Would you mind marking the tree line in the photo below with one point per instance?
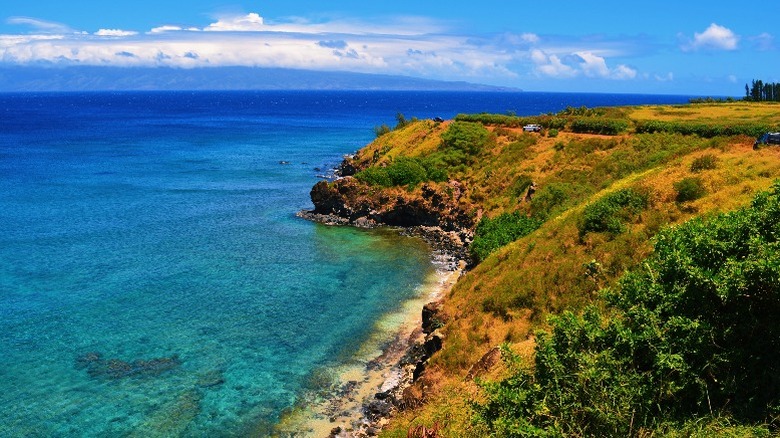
(760, 91)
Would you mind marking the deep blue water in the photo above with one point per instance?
(153, 276)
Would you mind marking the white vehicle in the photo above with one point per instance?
(533, 127)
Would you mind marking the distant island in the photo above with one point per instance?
(91, 78)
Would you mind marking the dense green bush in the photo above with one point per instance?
(692, 334)
(491, 119)
(375, 176)
(467, 137)
(492, 234)
(689, 189)
(511, 121)
(706, 130)
(611, 212)
(550, 122)
(598, 125)
(705, 162)
(583, 111)
(402, 171)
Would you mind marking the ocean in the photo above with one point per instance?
(154, 279)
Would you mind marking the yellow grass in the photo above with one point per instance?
(768, 112)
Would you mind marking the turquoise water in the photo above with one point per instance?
(138, 235)
(154, 280)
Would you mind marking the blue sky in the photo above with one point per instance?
(663, 47)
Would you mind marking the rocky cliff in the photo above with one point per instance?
(434, 211)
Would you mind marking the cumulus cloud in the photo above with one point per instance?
(715, 37)
(551, 65)
(623, 72)
(251, 22)
(582, 63)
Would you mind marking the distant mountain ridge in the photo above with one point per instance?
(92, 78)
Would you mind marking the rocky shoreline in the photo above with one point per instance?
(394, 394)
(449, 247)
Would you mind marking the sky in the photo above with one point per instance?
(692, 47)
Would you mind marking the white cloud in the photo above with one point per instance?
(530, 38)
(251, 22)
(664, 78)
(623, 72)
(397, 45)
(166, 28)
(248, 40)
(115, 33)
(582, 63)
(715, 37)
(593, 66)
(551, 65)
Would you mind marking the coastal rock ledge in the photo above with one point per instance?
(432, 212)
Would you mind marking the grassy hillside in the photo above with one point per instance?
(598, 204)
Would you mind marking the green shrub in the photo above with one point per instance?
(403, 171)
(705, 162)
(597, 125)
(552, 133)
(381, 130)
(706, 130)
(611, 212)
(491, 119)
(375, 176)
(433, 171)
(467, 137)
(512, 121)
(691, 335)
(492, 234)
(579, 111)
(689, 189)
(557, 123)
